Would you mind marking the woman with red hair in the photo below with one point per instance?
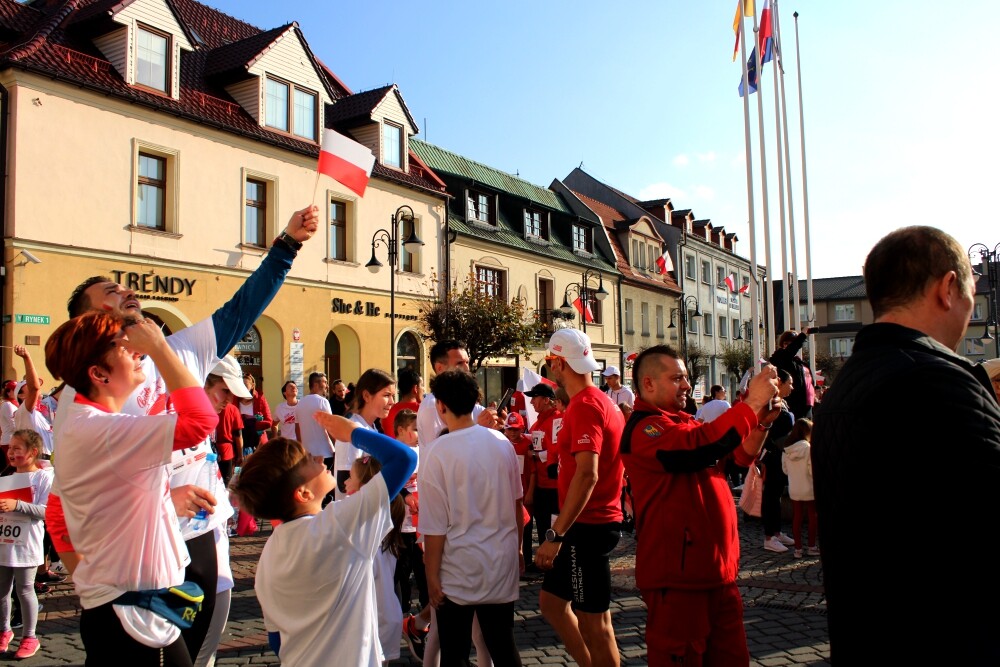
(113, 479)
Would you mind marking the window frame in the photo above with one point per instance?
(644, 317)
(836, 346)
(472, 200)
(709, 324)
(385, 147)
(706, 271)
(720, 275)
(409, 262)
(160, 185)
(584, 234)
(723, 326)
(340, 223)
(482, 286)
(291, 87)
(529, 216)
(690, 270)
(839, 308)
(171, 197)
(629, 310)
(661, 332)
(168, 69)
(258, 205)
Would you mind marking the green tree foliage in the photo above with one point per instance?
(737, 356)
(488, 326)
(695, 362)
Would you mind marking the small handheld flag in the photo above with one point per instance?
(346, 161)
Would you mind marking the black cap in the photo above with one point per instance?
(541, 389)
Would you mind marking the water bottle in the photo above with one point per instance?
(207, 479)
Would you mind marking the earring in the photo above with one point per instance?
(105, 380)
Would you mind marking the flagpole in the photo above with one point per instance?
(315, 187)
(794, 321)
(779, 76)
(763, 183)
(748, 147)
(805, 200)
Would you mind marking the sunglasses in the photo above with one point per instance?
(550, 357)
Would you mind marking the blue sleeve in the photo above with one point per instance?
(398, 460)
(274, 641)
(237, 315)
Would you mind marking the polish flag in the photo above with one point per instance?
(579, 306)
(16, 487)
(745, 289)
(664, 263)
(346, 161)
(731, 282)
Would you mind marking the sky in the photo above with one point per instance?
(897, 99)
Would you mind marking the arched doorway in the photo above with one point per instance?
(248, 354)
(408, 352)
(331, 355)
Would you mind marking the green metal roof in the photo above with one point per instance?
(446, 162)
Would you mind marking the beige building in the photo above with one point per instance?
(165, 144)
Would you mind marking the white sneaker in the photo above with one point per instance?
(775, 545)
(785, 539)
(59, 568)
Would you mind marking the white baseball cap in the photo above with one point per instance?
(229, 370)
(610, 370)
(574, 346)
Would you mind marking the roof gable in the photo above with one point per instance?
(157, 14)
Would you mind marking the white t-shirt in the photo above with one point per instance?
(411, 486)
(34, 421)
(429, 424)
(187, 467)
(390, 614)
(469, 483)
(345, 456)
(328, 617)
(7, 409)
(21, 534)
(621, 395)
(314, 437)
(712, 410)
(284, 418)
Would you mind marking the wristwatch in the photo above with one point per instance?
(286, 238)
(553, 536)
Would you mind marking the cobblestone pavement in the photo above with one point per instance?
(785, 612)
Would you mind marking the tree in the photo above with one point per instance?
(737, 357)
(695, 355)
(828, 365)
(489, 327)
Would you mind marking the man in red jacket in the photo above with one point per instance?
(688, 547)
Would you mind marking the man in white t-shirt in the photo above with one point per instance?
(448, 355)
(471, 519)
(313, 436)
(616, 391)
(714, 407)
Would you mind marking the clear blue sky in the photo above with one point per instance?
(899, 126)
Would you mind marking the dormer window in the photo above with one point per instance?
(392, 145)
(583, 239)
(152, 59)
(290, 108)
(535, 224)
(479, 208)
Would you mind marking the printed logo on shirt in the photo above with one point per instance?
(652, 431)
(584, 440)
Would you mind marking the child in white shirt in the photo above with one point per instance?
(797, 464)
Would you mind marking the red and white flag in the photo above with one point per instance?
(664, 263)
(579, 306)
(731, 282)
(16, 487)
(745, 289)
(346, 161)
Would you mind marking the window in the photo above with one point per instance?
(636, 257)
(804, 312)
(692, 322)
(535, 225)
(706, 271)
(659, 322)
(653, 255)
(841, 347)
(582, 239)
(255, 212)
(644, 310)
(745, 283)
(595, 306)
(629, 317)
(977, 313)
(478, 208)
(709, 325)
(843, 312)
(152, 59)
(723, 326)
(689, 267)
(290, 109)
(490, 282)
(338, 230)
(974, 346)
(720, 275)
(152, 209)
(408, 260)
(737, 331)
(392, 145)
(408, 352)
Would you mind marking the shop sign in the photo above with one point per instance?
(344, 307)
(155, 286)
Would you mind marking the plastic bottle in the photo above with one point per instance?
(207, 479)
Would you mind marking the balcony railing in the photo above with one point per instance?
(550, 320)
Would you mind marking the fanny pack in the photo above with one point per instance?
(178, 604)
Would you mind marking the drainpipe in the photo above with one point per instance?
(4, 120)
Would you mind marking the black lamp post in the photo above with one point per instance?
(989, 260)
(390, 239)
(682, 317)
(744, 328)
(584, 293)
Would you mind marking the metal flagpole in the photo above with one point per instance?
(763, 185)
(794, 321)
(754, 280)
(805, 201)
(779, 75)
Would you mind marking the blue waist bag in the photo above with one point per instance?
(178, 604)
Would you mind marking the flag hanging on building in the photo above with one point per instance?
(751, 74)
(731, 282)
(579, 306)
(745, 289)
(346, 161)
(748, 11)
(665, 263)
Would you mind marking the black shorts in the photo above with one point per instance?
(581, 572)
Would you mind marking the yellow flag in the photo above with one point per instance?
(748, 11)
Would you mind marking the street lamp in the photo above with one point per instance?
(584, 293)
(989, 259)
(747, 328)
(682, 317)
(390, 239)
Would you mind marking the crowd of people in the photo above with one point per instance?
(378, 488)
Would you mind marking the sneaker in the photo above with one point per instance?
(785, 539)
(59, 568)
(29, 647)
(812, 551)
(41, 588)
(50, 577)
(414, 638)
(797, 553)
(775, 545)
(5, 640)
